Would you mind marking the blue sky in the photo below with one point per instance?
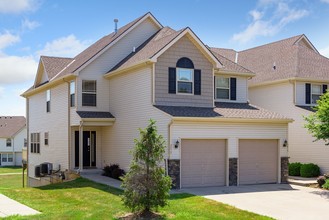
(30, 28)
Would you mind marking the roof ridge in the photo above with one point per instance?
(41, 56)
(289, 38)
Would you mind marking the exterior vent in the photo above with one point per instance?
(134, 49)
(116, 25)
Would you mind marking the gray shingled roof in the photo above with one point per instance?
(222, 110)
(308, 108)
(90, 114)
(53, 65)
(10, 125)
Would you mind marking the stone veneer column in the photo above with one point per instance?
(174, 173)
(233, 171)
(284, 169)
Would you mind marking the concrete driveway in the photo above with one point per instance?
(279, 201)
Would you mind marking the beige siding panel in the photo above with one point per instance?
(131, 105)
(105, 62)
(74, 117)
(183, 48)
(230, 131)
(55, 122)
(301, 147)
(203, 163)
(258, 161)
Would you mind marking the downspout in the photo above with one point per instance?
(14, 156)
(169, 144)
(153, 84)
(27, 138)
(68, 125)
(81, 146)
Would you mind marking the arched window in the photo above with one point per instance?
(184, 79)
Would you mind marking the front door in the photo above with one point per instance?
(89, 148)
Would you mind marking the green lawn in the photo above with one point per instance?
(10, 170)
(84, 199)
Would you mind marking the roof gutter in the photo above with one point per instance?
(126, 69)
(300, 79)
(225, 72)
(48, 85)
(234, 120)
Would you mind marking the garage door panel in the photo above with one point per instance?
(258, 161)
(203, 162)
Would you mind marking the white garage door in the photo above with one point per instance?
(258, 161)
(203, 163)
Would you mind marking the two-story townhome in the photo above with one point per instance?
(85, 112)
(12, 140)
(290, 76)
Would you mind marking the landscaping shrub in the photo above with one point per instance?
(113, 171)
(321, 180)
(309, 170)
(326, 185)
(294, 169)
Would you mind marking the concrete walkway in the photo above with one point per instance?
(11, 207)
(280, 201)
(97, 177)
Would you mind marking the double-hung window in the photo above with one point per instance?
(10, 157)
(88, 92)
(72, 93)
(35, 143)
(48, 101)
(47, 138)
(8, 142)
(316, 92)
(185, 80)
(222, 88)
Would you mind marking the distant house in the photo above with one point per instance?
(85, 112)
(290, 76)
(12, 140)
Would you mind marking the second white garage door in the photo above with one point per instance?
(203, 163)
(258, 161)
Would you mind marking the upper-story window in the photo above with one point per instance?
(25, 142)
(184, 79)
(8, 142)
(72, 93)
(46, 138)
(225, 88)
(222, 88)
(313, 92)
(88, 92)
(48, 100)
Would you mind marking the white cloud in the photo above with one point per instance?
(18, 6)
(15, 69)
(29, 25)
(8, 39)
(270, 24)
(68, 46)
(325, 51)
(325, 1)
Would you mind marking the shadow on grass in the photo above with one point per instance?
(83, 183)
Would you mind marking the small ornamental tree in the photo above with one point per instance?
(317, 123)
(146, 186)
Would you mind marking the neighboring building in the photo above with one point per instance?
(290, 76)
(12, 140)
(86, 111)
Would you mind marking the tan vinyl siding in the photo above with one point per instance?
(230, 131)
(106, 61)
(183, 48)
(130, 97)
(55, 123)
(74, 117)
(279, 98)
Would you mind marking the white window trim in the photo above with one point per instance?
(217, 87)
(46, 138)
(177, 81)
(74, 92)
(11, 142)
(35, 141)
(82, 92)
(321, 91)
(48, 99)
